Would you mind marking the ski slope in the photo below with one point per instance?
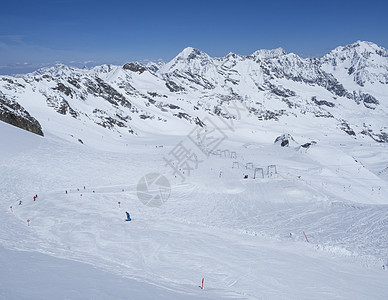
(245, 237)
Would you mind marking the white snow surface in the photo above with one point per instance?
(312, 223)
(245, 237)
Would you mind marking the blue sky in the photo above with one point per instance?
(35, 33)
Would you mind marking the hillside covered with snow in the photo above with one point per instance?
(345, 89)
(265, 174)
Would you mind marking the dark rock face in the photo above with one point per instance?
(282, 92)
(199, 122)
(382, 137)
(64, 89)
(134, 67)
(173, 87)
(346, 128)
(322, 102)
(308, 145)
(368, 100)
(102, 89)
(61, 106)
(284, 140)
(172, 106)
(183, 115)
(13, 113)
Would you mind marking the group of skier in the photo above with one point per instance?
(35, 197)
(127, 213)
(77, 190)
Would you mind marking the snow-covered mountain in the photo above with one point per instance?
(348, 86)
(270, 172)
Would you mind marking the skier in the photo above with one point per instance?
(20, 202)
(128, 216)
(66, 191)
(34, 198)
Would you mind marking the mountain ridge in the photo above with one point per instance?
(348, 86)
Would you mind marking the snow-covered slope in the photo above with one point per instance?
(305, 217)
(244, 236)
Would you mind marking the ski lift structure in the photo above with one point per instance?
(226, 153)
(271, 169)
(259, 172)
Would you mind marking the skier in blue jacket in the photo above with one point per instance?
(128, 217)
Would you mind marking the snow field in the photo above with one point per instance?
(233, 232)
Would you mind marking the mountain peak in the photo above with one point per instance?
(190, 53)
(188, 58)
(269, 53)
(361, 47)
(154, 66)
(364, 44)
(56, 70)
(135, 67)
(232, 55)
(364, 61)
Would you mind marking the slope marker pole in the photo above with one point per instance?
(306, 237)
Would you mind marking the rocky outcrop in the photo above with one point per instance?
(135, 67)
(11, 112)
(284, 140)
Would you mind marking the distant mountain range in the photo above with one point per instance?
(345, 90)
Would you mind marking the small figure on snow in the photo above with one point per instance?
(34, 198)
(20, 202)
(128, 216)
(66, 191)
